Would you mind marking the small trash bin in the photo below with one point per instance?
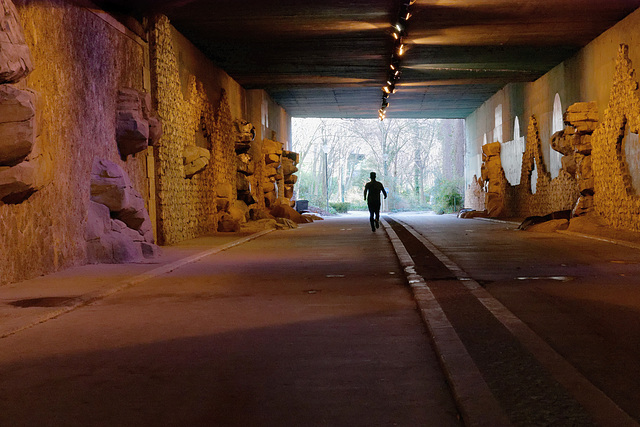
(302, 205)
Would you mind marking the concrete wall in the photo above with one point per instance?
(81, 58)
(587, 76)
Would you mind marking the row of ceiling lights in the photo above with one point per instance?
(398, 34)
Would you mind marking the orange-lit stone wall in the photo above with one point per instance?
(81, 59)
(601, 73)
(551, 195)
(615, 199)
(186, 208)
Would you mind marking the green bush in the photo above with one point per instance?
(342, 207)
(360, 205)
(446, 196)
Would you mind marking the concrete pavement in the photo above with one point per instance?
(569, 308)
(312, 326)
(316, 326)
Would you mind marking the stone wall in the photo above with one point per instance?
(601, 74)
(614, 197)
(200, 106)
(536, 194)
(80, 61)
(550, 195)
(186, 207)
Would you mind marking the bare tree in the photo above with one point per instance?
(406, 154)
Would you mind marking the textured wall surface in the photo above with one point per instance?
(615, 198)
(602, 73)
(550, 195)
(187, 207)
(80, 62)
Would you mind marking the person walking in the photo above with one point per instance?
(372, 189)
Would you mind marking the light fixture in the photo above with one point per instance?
(398, 50)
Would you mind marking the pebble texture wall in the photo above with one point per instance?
(80, 63)
(615, 199)
(550, 195)
(526, 199)
(187, 208)
(603, 175)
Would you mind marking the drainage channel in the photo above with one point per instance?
(525, 389)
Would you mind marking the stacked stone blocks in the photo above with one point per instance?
(574, 142)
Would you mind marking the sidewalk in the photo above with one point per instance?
(30, 302)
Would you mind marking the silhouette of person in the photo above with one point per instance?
(373, 188)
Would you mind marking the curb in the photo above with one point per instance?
(476, 403)
(500, 221)
(574, 233)
(601, 239)
(92, 297)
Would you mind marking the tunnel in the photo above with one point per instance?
(177, 249)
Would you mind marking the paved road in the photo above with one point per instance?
(308, 327)
(581, 296)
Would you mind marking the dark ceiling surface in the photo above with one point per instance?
(330, 58)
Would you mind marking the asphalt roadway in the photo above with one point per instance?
(317, 326)
(306, 327)
(580, 295)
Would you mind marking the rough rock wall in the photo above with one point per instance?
(550, 195)
(474, 196)
(187, 207)
(603, 175)
(495, 179)
(615, 199)
(537, 193)
(257, 180)
(80, 62)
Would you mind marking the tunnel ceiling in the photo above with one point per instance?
(330, 58)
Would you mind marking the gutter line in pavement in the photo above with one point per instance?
(473, 397)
